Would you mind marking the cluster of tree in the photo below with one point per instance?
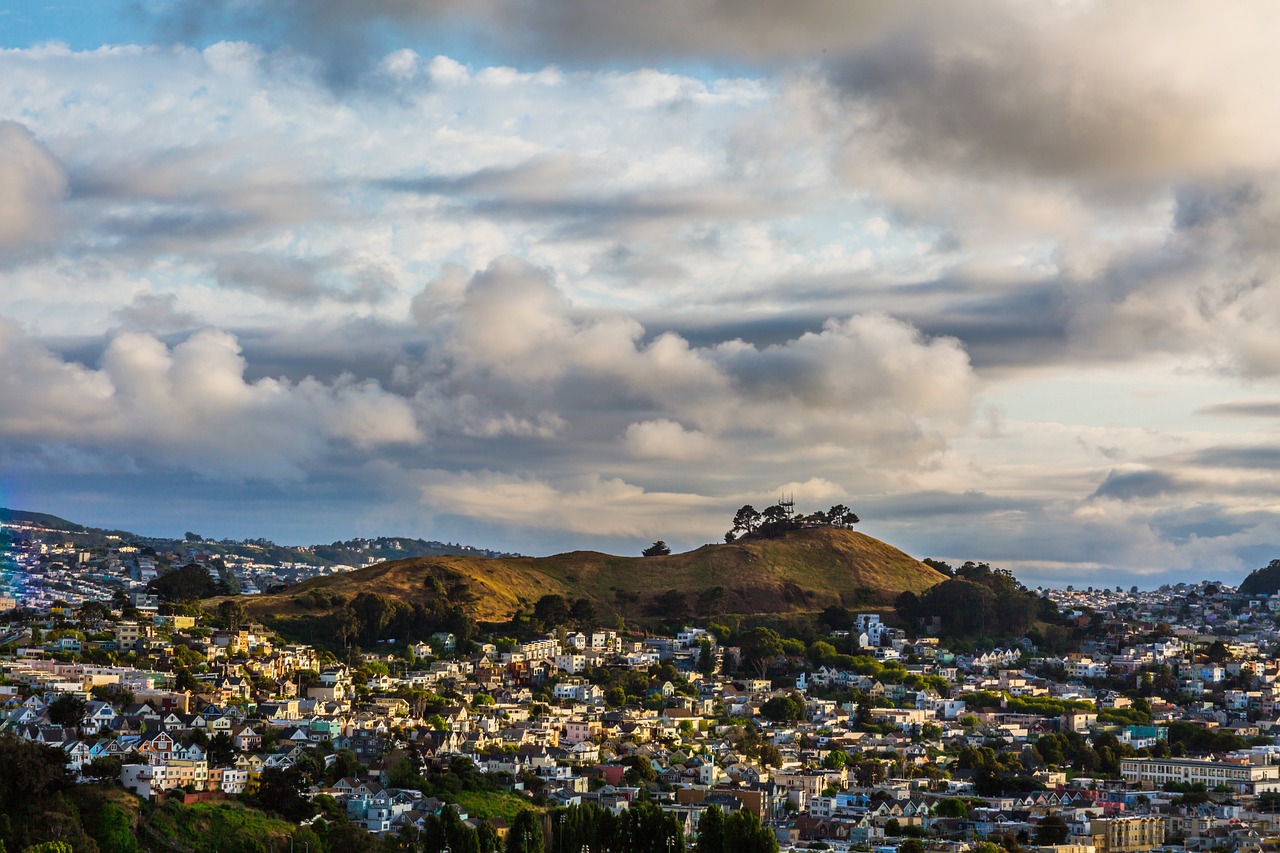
(644, 828)
(657, 549)
(191, 582)
(369, 617)
(1045, 706)
(1263, 581)
(996, 774)
(40, 804)
(555, 610)
(978, 601)
(739, 832)
(1187, 737)
(781, 517)
(784, 709)
(1070, 749)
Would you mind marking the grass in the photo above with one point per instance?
(225, 827)
(487, 804)
(803, 571)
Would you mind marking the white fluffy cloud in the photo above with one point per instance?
(32, 183)
(188, 406)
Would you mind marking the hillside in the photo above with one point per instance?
(1263, 581)
(804, 570)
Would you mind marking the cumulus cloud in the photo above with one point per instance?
(666, 439)
(188, 407)
(32, 183)
(870, 383)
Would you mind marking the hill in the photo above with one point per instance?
(803, 570)
(1263, 581)
(39, 519)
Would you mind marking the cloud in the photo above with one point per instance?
(665, 439)
(869, 382)
(1128, 485)
(1252, 458)
(1244, 409)
(591, 505)
(155, 312)
(188, 407)
(32, 184)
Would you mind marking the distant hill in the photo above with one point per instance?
(52, 522)
(804, 570)
(352, 552)
(1263, 581)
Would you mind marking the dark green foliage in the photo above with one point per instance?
(979, 602)
(657, 549)
(67, 710)
(761, 646)
(34, 788)
(1263, 581)
(1052, 829)
(279, 791)
(783, 709)
(551, 610)
(115, 831)
(711, 830)
(525, 834)
(368, 618)
(104, 769)
(744, 833)
(1198, 739)
(643, 828)
(188, 583)
(945, 568)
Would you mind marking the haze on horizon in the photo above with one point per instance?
(562, 274)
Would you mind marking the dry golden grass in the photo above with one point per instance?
(802, 571)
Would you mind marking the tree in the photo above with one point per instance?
(781, 709)
(835, 759)
(711, 831)
(641, 771)
(743, 833)
(761, 646)
(232, 614)
(222, 752)
(279, 791)
(657, 549)
(746, 520)
(841, 516)
(104, 769)
(525, 834)
(551, 610)
(583, 612)
(1052, 829)
(67, 710)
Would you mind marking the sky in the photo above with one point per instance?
(541, 275)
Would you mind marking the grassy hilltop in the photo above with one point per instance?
(803, 570)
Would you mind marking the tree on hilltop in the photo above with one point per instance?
(657, 549)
